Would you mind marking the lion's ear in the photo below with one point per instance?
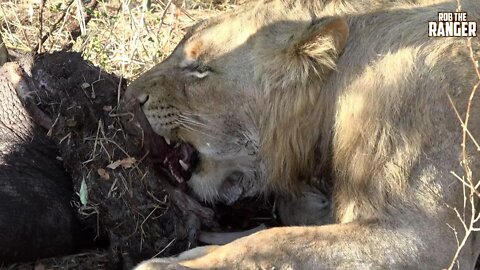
(291, 72)
(290, 52)
(316, 49)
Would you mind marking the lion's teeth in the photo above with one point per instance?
(183, 164)
(167, 140)
(179, 180)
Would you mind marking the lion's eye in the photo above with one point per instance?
(198, 70)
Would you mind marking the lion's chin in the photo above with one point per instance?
(224, 179)
(215, 188)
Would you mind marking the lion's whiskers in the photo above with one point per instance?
(187, 126)
(196, 114)
(191, 121)
(198, 126)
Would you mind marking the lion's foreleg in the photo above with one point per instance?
(343, 246)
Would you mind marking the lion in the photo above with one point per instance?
(283, 96)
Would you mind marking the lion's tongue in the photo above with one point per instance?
(178, 161)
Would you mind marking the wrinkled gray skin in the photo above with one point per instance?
(36, 219)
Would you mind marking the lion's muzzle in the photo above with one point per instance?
(178, 159)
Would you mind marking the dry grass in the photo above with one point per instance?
(124, 37)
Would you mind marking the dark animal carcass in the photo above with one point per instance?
(71, 159)
(36, 217)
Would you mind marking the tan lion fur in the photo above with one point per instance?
(301, 91)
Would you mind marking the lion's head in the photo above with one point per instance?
(242, 88)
